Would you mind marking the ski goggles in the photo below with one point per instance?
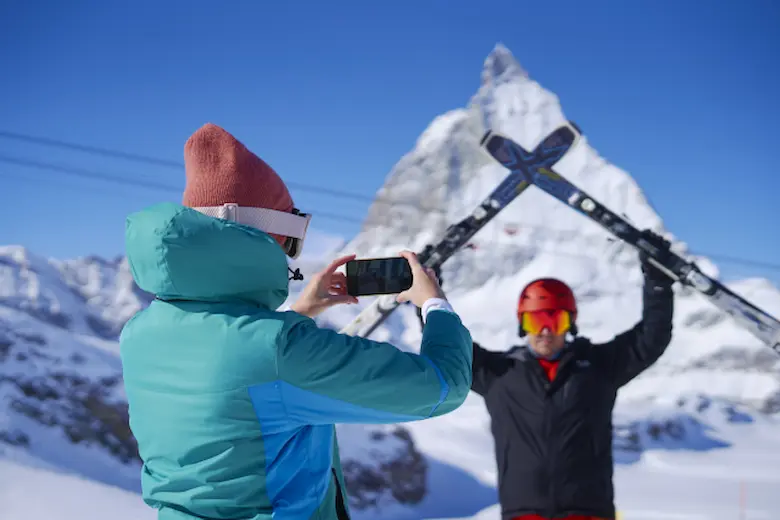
(292, 225)
(557, 321)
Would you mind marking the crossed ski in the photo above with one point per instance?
(536, 167)
(551, 150)
(514, 157)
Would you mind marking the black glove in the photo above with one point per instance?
(652, 274)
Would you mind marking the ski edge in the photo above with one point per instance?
(376, 313)
(381, 308)
(742, 311)
(490, 134)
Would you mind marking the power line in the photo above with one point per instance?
(354, 220)
(155, 161)
(739, 260)
(135, 181)
(89, 149)
(331, 216)
(91, 174)
(126, 180)
(159, 187)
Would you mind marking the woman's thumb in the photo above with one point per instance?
(414, 263)
(403, 297)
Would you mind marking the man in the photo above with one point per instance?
(232, 402)
(551, 401)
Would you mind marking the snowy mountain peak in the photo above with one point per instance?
(446, 175)
(439, 130)
(86, 296)
(501, 66)
(19, 255)
(62, 404)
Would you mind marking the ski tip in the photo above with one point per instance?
(485, 138)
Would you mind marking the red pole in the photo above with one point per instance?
(742, 500)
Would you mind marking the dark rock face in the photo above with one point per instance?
(736, 358)
(689, 427)
(87, 295)
(634, 437)
(86, 410)
(772, 405)
(48, 385)
(398, 473)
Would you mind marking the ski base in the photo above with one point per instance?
(510, 154)
(551, 150)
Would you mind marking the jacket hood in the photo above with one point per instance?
(175, 252)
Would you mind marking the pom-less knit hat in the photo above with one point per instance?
(226, 180)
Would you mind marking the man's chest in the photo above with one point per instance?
(570, 386)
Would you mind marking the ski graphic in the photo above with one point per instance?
(548, 152)
(512, 156)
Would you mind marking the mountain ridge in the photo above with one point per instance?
(63, 406)
(446, 175)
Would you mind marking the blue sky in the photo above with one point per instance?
(683, 95)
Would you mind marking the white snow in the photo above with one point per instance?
(673, 483)
(440, 128)
(716, 385)
(28, 493)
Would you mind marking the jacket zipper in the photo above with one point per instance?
(557, 382)
(551, 507)
(549, 386)
(341, 509)
(549, 453)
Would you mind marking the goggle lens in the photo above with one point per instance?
(558, 321)
(293, 246)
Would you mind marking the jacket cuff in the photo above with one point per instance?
(434, 304)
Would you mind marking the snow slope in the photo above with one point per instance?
(674, 480)
(446, 175)
(702, 419)
(62, 402)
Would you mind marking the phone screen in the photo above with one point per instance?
(378, 276)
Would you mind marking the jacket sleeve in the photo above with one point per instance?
(632, 352)
(326, 377)
(487, 367)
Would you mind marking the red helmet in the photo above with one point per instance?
(547, 294)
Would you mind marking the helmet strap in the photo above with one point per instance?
(520, 331)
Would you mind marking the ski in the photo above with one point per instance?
(512, 156)
(548, 152)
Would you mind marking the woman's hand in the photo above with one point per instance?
(326, 289)
(425, 285)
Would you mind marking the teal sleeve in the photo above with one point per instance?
(328, 377)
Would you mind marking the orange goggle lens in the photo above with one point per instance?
(557, 321)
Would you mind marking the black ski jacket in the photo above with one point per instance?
(553, 439)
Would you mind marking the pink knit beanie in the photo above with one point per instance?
(221, 170)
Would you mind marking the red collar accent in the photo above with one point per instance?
(550, 367)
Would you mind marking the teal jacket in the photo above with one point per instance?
(232, 403)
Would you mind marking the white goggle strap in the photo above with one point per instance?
(267, 220)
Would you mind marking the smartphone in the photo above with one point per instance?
(373, 276)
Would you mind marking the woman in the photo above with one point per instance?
(232, 402)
